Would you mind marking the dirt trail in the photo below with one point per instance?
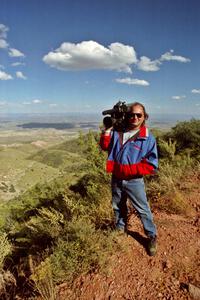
(135, 275)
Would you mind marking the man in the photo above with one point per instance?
(132, 154)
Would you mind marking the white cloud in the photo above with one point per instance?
(179, 97)
(3, 31)
(53, 104)
(195, 91)
(169, 56)
(89, 55)
(20, 75)
(16, 64)
(147, 65)
(5, 76)
(3, 44)
(15, 53)
(132, 81)
(37, 101)
(3, 36)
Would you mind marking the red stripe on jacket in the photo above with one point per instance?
(130, 170)
(126, 171)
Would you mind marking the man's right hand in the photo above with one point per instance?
(107, 122)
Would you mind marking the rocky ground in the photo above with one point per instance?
(174, 273)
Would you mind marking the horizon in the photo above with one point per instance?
(87, 118)
(80, 57)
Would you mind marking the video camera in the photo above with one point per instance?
(118, 116)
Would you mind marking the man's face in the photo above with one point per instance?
(136, 117)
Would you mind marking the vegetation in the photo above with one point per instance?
(68, 224)
(59, 229)
(179, 158)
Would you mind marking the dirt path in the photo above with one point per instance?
(134, 275)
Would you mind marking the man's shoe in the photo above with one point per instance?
(152, 246)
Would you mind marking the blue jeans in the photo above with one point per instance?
(135, 190)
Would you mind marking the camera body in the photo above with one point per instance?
(118, 118)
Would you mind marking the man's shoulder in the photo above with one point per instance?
(146, 133)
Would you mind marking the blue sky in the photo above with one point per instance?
(84, 56)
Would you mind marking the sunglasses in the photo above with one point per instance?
(134, 115)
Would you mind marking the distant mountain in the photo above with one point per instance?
(83, 120)
(59, 126)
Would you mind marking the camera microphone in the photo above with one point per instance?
(108, 112)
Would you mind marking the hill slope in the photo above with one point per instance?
(134, 275)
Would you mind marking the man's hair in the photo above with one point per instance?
(146, 116)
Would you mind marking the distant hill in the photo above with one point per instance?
(59, 126)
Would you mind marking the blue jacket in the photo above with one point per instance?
(135, 158)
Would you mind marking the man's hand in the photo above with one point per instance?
(107, 122)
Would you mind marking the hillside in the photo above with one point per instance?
(57, 236)
(172, 274)
(31, 156)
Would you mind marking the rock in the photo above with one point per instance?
(166, 264)
(194, 291)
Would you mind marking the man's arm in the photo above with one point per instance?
(149, 163)
(105, 139)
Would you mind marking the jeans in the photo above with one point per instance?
(135, 190)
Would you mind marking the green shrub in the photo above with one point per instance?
(81, 249)
(187, 137)
(43, 280)
(164, 189)
(95, 195)
(167, 149)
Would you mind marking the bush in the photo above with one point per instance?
(60, 226)
(82, 248)
(167, 149)
(164, 189)
(43, 280)
(187, 137)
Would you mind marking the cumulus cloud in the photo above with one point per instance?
(20, 75)
(147, 65)
(3, 44)
(12, 52)
(179, 97)
(37, 101)
(132, 81)
(15, 53)
(16, 64)
(3, 35)
(5, 76)
(169, 56)
(89, 55)
(3, 31)
(195, 91)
